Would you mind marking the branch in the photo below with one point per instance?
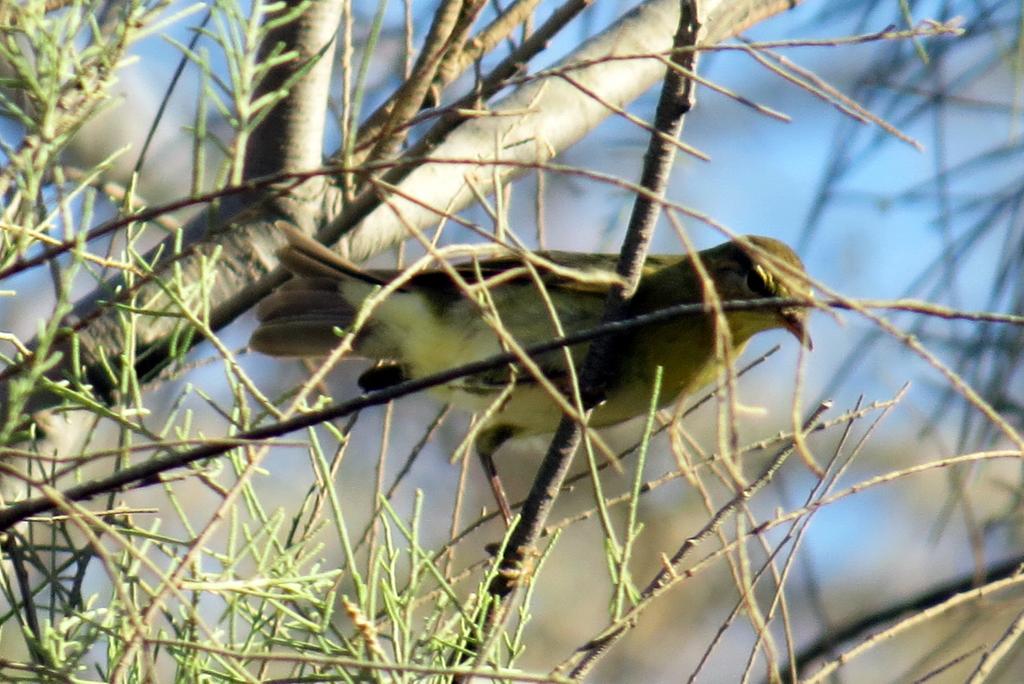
(544, 116)
(677, 98)
(290, 138)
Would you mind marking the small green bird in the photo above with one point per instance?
(429, 324)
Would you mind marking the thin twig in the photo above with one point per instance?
(666, 577)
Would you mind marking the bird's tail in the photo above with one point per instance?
(300, 317)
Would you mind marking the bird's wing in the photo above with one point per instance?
(572, 271)
(307, 258)
(558, 270)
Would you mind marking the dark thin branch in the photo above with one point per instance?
(677, 98)
(672, 313)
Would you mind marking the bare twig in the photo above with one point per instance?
(666, 577)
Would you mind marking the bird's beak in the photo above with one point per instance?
(795, 323)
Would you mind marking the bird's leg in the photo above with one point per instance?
(499, 491)
(487, 444)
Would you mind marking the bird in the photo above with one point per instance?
(431, 322)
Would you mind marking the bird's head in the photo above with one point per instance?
(759, 268)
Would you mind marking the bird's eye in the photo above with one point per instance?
(758, 282)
